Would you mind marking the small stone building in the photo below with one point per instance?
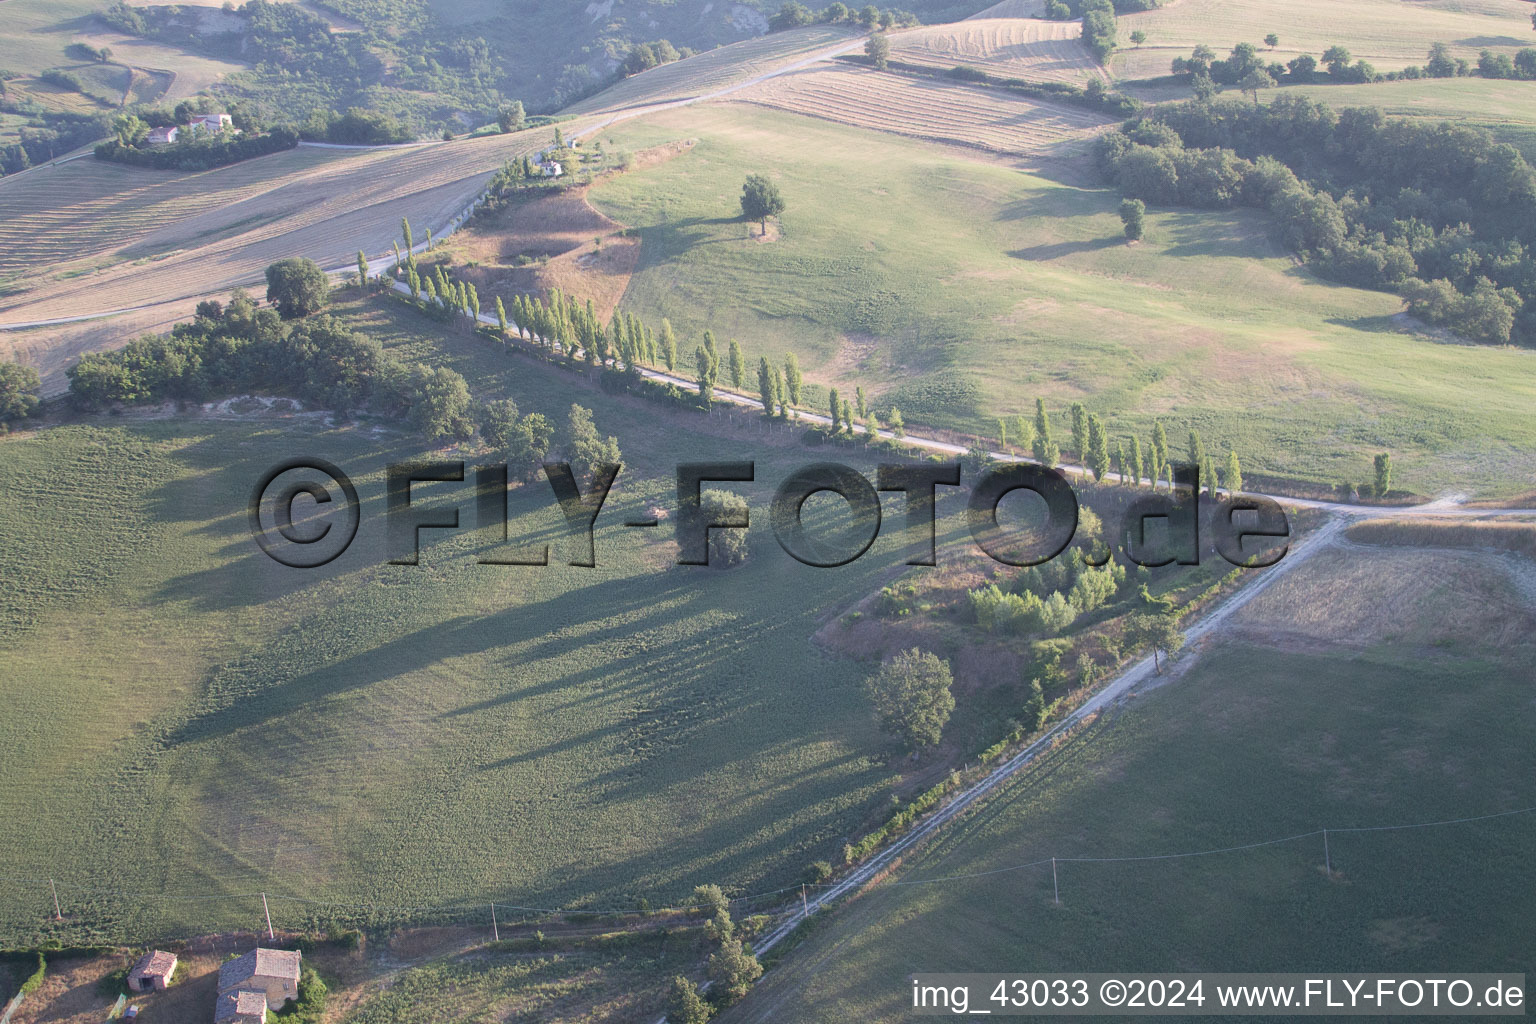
(250, 985)
(153, 972)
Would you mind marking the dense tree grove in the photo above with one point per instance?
(240, 348)
(1440, 213)
(869, 17)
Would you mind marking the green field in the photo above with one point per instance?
(1298, 724)
(959, 290)
(187, 718)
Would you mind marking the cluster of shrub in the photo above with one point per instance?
(1098, 20)
(1047, 599)
(1094, 96)
(1441, 213)
(868, 17)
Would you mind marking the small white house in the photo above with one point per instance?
(162, 136)
(210, 122)
(551, 169)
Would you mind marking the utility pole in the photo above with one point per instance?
(805, 907)
(271, 936)
(1327, 860)
(495, 931)
(1055, 884)
(57, 914)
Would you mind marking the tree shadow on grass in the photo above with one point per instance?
(1056, 250)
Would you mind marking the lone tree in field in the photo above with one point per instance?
(684, 1004)
(584, 446)
(1383, 474)
(297, 287)
(1158, 630)
(878, 49)
(1138, 37)
(760, 199)
(911, 696)
(1133, 213)
(1271, 40)
(18, 392)
(498, 419)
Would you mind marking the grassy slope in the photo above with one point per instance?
(1391, 34)
(214, 723)
(1256, 742)
(987, 287)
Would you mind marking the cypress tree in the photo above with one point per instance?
(1160, 442)
(501, 316)
(897, 424)
(1208, 473)
(1098, 448)
(837, 409)
(792, 378)
(765, 384)
(701, 362)
(474, 303)
(847, 417)
(1196, 449)
(1002, 433)
(871, 428)
(1120, 462)
(1134, 466)
(863, 407)
(1080, 432)
(1045, 451)
(1023, 434)
(405, 233)
(738, 365)
(668, 345)
(1384, 460)
(780, 392)
(362, 268)
(1234, 477)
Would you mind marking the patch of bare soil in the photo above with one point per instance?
(557, 240)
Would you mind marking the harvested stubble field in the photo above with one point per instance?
(713, 69)
(989, 119)
(1390, 34)
(1301, 721)
(116, 237)
(1038, 51)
